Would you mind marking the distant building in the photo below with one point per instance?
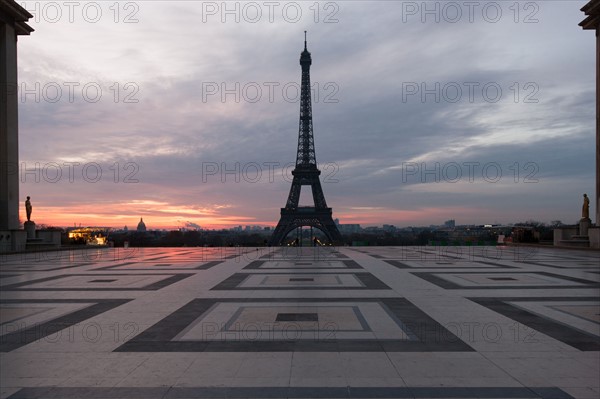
(89, 235)
(450, 223)
(390, 228)
(141, 227)
(349, 228)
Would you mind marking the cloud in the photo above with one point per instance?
(159, 121)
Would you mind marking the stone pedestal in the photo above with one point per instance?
(30, 229)
(584, 225)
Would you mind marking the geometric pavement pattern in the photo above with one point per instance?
(350, 322)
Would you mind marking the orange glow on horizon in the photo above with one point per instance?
(159, 215)
(156, 215)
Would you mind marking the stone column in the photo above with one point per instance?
(12, 24)
(597, 127)
(592, 22)
(9, 147)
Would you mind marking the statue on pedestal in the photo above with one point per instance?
(585, 210)
(585, 222)
(28, 208)
(29, 225)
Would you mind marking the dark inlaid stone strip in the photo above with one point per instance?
(352, 264)
(369, 281)
(208, 265)
(17, 339)
(548, 265)
(255, 264)
(8, 275)
(34, 269)
(232, 282)
(397, 264)
(297, 317)
(562, 332)
(435, 278)
(500, 265)
(289, 392)
(162, 266)
(173, 278)
(425, 334)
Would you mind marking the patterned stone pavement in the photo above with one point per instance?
(365, 322)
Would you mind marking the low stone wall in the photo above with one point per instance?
(564, 233)
(49, 236)
(12, 240)
(16, 240)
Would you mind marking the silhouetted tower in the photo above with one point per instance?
(306, 174)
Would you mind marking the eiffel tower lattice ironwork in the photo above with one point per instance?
(306, 173)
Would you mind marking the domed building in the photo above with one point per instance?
(141, 227)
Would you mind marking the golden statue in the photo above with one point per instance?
(28, 209)
(585, 210)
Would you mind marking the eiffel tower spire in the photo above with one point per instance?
(306, 144)
(305, 173)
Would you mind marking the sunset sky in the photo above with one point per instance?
(197, 120)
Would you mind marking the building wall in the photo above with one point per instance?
(594, 234)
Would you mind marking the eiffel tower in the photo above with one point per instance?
(306, 174)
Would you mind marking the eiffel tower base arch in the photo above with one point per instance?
(306, 217)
